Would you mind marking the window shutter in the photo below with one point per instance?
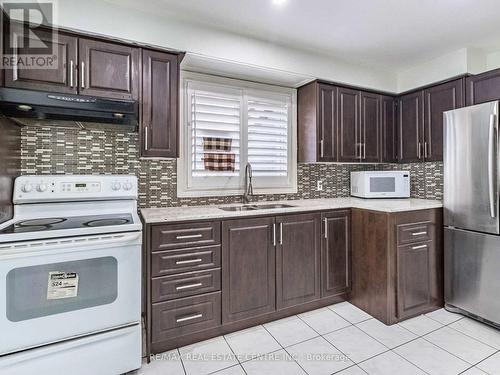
(216, 115)
(268, 136)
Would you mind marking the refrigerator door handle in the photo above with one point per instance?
(491, 167)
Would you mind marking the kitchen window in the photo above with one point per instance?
(227, 123)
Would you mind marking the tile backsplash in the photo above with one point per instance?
(53, 150)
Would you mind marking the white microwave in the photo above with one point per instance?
(380, 184)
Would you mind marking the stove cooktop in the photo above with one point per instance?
(56, 223)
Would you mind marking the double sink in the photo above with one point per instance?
(254, 207)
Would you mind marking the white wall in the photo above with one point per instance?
(107, 19)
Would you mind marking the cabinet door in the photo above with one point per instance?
(348, 124)
(483, 87)
(437, 100)
(160, 83)
(370, 127)
(336, 253)
(248, 268)
(297, 260)
(410, 110)
(389, 130)
(61, 79)
(413, 278)
(327, 123)
(109, 70)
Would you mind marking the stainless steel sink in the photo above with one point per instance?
(243, 207)
(253, 207)
(272, 206)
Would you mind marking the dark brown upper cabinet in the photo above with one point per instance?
(338, 124)
(370, 129)
(389, 129)
(108, 69)
(297, 259)
(483, 87)
(248, 268)
(317, 123)
(335, 253)
(437, 100)
(160, 95)
(62, 78)
(410, 126)
(348, 104)
(420, 120)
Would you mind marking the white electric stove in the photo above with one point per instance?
(70, 276)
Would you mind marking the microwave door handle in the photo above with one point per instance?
(491, 166)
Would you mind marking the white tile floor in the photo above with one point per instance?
(344, 340)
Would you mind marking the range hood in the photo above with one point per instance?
(54, 108)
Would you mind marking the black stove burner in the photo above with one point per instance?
(41, 222)
(106, 222)
(74, 222)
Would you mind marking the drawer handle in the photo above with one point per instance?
(187, 318)
(418, 233)
(198, 260)
(418, 247)
(188, 236)
(182, 287)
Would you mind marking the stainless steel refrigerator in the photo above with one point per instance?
(471, 215)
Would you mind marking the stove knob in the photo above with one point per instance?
(127, 186)
(116, 186)
(41, 188)
(27, 188)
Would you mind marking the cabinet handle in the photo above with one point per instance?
(182, 287)
(197, 260)
(281, 233)
(364, 150)
(419, 151)
(426, 155)
(187, 318)
(146, 138)
(326, 227)
(71, 70)
(188, 236)
(274, 234)
(418, 247)
(418, 233)
(83, 75)
(321, 148)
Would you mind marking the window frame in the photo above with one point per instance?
(186, 187)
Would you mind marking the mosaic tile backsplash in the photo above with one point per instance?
(54, 150)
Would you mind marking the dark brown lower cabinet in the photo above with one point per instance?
(248, 268)
(297, 259)
(204, 279)
(336, 253)
(397, 263)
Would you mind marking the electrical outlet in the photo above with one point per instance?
(319, 185)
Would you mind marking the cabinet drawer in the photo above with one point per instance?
(176, 236)
(176, 261)
(186, 284)
(414, 232)
(186, 315)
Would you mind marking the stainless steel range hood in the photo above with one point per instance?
(40, 108)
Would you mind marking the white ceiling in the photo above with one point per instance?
(390, 34)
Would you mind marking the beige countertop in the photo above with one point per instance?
(190, 213)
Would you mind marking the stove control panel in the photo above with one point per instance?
(30, 189)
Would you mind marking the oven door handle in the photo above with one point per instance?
(72, 244)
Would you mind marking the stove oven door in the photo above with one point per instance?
(53, 290)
